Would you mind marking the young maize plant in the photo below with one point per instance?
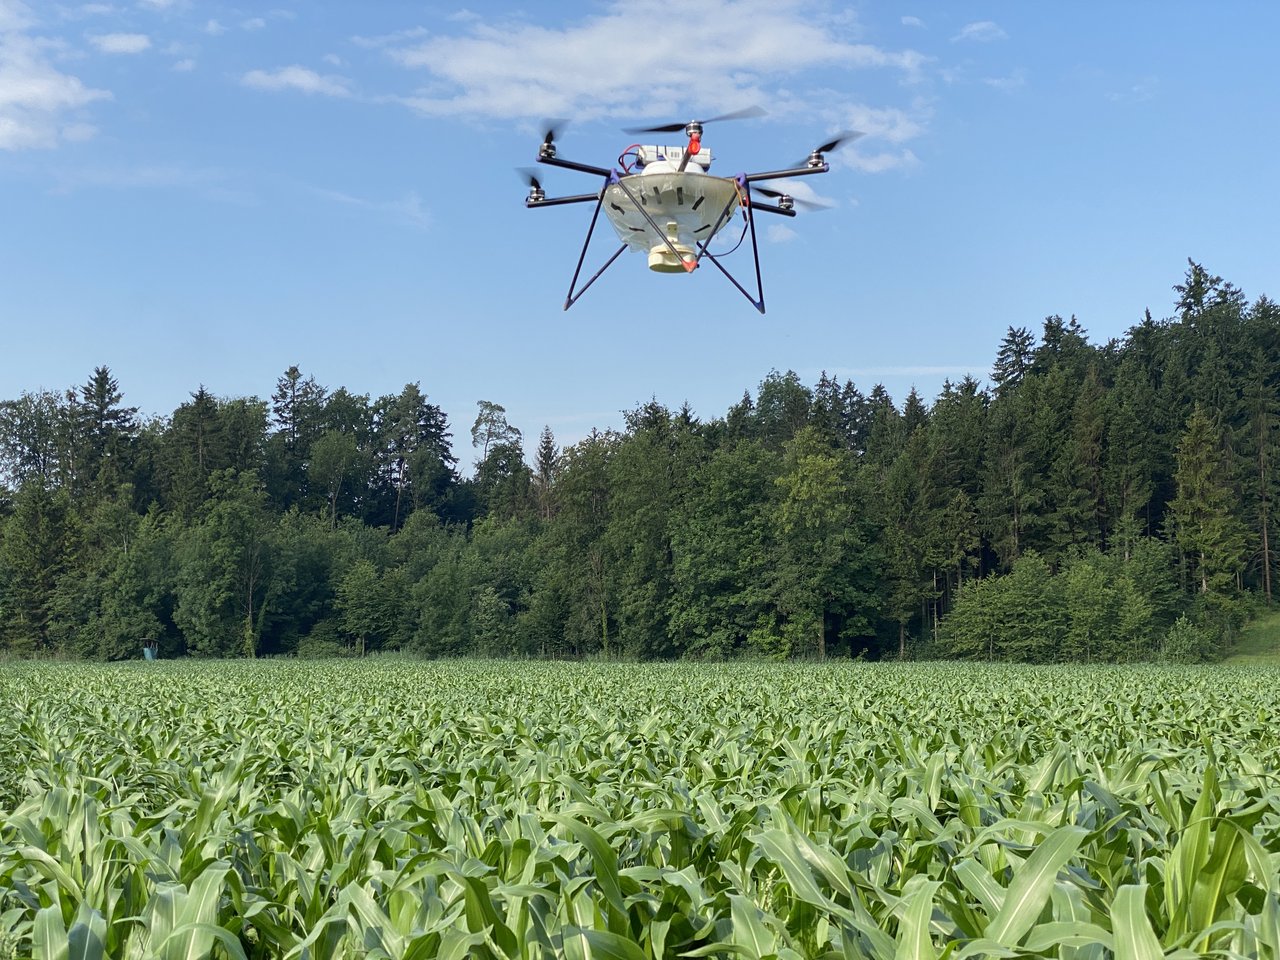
(399, 809)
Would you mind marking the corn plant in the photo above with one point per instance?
(391, 808)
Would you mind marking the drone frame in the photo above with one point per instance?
(815, 163)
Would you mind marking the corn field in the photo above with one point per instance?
(391, 808)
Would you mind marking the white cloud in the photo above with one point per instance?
(883, 123)
(879, 162)
(14, 16)
(186, 65)
(121, 42)
(35, 97)
(780, 233)
(982, 31)
(333, 60)
(517, 69)
(214, 28)
(157, 4)
(297, 78)
(253, 23)
(912, 22)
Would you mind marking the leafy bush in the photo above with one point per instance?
(1187, 643)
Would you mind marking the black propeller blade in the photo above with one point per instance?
(536, 193)
(815, 158)
(552, 129)
(847, 137)
(806, 204)
(742, 114)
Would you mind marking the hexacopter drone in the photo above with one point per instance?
(662, 202)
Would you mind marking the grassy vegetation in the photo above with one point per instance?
(468, 809)
(1259, 642)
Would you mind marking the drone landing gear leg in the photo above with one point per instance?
(758, 302)
(572, 298)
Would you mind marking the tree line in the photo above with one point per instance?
(1094, 502)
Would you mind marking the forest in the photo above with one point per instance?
(1093, 502)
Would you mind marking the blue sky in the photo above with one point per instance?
(201, 193)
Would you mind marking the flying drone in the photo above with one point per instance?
(662, 202)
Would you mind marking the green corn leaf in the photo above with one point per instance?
(1134, 938)
(1073, 934)
(194, 941)
(610, 946)
(603, 860)
(749, 931)
(914, 942)
(87, 938)
(1032, 885)
(49, 935)
(974, 877)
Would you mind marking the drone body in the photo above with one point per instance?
(664, 203)
(687, 204)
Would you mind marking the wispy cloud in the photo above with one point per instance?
(518, 69)
(154, 176)
(214, 28)
(407, 210)
(253, 23)
(185, 65)
(124, 43)
(894, 126)
(884, 123)
(981, 31)
(84, 11)
(390, 39)
(912, 22)
(157, 4)
(297, 78)
(1013, 81)
(14, 16)
(780, 233)
(38, 102)
(1139, 92)
(211, 183)
(79, 132)
(880, 161)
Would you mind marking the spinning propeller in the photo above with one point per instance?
(787, 202)
(550, 129)
(674, 127)
(693, 129)
(815, 157)
(536, 193)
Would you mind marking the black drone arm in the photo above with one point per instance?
(792, 172)
(536, 196)
(770, 208)
(560, 201)
(573, 165)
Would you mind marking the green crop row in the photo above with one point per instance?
(392, 808)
